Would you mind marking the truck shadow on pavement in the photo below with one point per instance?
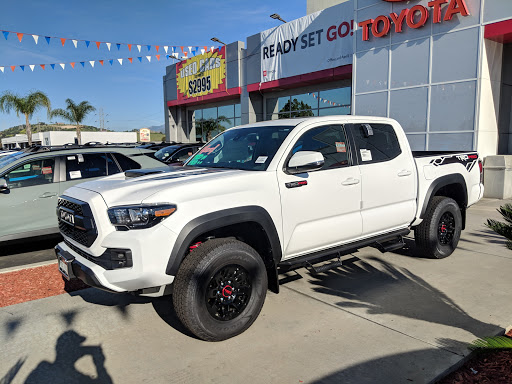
(374, 287)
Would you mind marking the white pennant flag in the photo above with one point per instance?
(62, 65)
(92, 63)
(212, 48)
(2, 69)
(166, 48)
(36, 38)
(202, 51)
(149, 58)
(138, 47)
(108, 45)
(75, 42)
(175, 55)
(190, 49)
(32, 66)
(120, 61)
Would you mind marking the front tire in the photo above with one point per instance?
(439, 233)
(219, 289)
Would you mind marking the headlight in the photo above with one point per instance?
(140, 216)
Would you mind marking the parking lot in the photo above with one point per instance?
(383, 318)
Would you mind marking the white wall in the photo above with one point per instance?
(317, 5)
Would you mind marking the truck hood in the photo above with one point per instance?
(133, 187)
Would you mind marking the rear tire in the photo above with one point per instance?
(439, 233)
(219, 289)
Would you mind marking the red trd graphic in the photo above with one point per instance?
(227, 291)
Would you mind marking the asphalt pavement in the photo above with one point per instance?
(384, 318)
(28, 251)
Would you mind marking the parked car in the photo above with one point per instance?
(155, 146)
(6, 153)
(177, 153)
(31, 181)
(258, 200)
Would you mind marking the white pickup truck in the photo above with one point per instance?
(257, 200)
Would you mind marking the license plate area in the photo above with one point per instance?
(67, 216)
(65, 266)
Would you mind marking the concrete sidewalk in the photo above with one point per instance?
(386, 318)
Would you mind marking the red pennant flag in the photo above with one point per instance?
(20, 36)
(131, 59)
(62, 40)
(157, 47)
(42, 66)
(157, 57)
(129, 47)
(98, 44)
(186, 53)
(182, 51)
(12, 67)
(206, 49)
(101, 61)
(72, 65)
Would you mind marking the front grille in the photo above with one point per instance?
(84, 231)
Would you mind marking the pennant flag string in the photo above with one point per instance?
(98, 43)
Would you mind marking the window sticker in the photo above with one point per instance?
(26, 166)
(198, 159)
(340, 146)
(366, 154)
(209, 150)
(261, 159)
(46, 170)
(36, 167)
(80, 158)
(71, 158)
(75, 174)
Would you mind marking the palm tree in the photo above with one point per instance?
(208, 126)
(503, 228)
(27, 105)
(74, 113)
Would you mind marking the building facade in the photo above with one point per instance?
(442, 68)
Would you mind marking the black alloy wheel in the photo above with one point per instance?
(446, 228)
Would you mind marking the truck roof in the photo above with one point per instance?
(297, 120)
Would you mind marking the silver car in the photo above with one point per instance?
(32, 180)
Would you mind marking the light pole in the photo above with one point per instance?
(217, 40)
(276, 16)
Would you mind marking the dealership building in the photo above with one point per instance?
(442, 68)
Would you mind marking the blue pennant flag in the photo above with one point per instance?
(52, 65)
(47, 39)
(220, 47)
(83, 63)
(22, 68)
(167, 57)
(118, 46)
(87, 43)
(111, 61)
(194, 51)
(140, 58)
(173, 49)
(149, 47)
(5, 34)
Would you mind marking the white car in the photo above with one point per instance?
(260, 199)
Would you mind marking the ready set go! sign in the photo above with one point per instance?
(315, 42)
(202, 75)
(414, 17)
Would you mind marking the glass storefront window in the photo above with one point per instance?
(209, 122)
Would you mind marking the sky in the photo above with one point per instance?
(131, 95)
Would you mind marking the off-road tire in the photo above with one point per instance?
(193, 280)
(427, 234)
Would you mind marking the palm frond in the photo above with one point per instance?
(10, 101)
(61, 113)
(497, 342)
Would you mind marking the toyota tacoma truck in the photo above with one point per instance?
(258, 200)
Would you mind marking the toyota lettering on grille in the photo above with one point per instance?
(67, 216)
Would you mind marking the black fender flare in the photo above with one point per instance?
(220, 219)
(441, 182)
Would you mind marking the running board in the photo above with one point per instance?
(324, 268)
(390, 245)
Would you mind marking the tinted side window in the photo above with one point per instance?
(36, 172)
(184, 154)
(125, 163)
(112, 167)
(382, 145)
(330, 141)
(86, 166)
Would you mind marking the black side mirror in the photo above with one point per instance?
(3, 185)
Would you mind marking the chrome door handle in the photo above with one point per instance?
(404, 172)
(350, 181)
(48, 194)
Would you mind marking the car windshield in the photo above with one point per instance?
(6, 160)
(165, 152)
(251, 148)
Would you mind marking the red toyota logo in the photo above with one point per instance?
(227, 291)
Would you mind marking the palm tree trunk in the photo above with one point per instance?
(29, 130)
(78, 134)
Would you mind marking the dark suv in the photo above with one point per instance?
(177, 153)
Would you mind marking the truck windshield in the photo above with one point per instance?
(251, 148)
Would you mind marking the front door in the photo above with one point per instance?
(321, 209)
(31, 201)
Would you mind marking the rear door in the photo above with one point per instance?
(321, 209)
(387, 178)
(30, 203)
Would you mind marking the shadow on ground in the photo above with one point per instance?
(30, 245)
